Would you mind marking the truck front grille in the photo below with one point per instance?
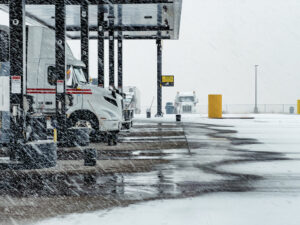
(187, 108)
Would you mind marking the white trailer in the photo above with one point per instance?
(86, 104)
(185, 102)
(4, 102)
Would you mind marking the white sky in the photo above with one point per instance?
(220, 41)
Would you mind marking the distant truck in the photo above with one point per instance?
(132, 99)
(185, 102)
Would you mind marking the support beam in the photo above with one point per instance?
(100, 46)
(124, 27)
(95, 2)
(60, 65)
(17, 71)
(111, 49)
(84, 22)
(120, 51)
(128, 37)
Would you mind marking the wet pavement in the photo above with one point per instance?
(189, 159)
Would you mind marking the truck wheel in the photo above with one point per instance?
(83, 123)
(83, 119)
(86, 119)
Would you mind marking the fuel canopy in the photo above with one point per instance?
(137, 19)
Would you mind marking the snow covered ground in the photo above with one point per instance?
(212, 209)
(278, 204)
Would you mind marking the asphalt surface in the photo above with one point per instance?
(160, 161)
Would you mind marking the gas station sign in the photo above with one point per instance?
(167, 80)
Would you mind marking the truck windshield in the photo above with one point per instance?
(79, 75)
(186, 99)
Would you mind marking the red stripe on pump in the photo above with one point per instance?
(53, 91)
(40, 89)
(40, 92)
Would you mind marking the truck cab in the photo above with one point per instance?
(87, 104)
(185, 102)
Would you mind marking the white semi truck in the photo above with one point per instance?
(87, 105)
(132, 99)
(185, 102)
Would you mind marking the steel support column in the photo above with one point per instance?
(101, 45)
(84, 22)
(120, 64)
(60, 63)
(120, 51)
(159, 74)
(17, 71)
(159, 63)
(111, 48)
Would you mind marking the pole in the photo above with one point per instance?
(159, 74)
(84, 39)
(17, 73)
(255, 107)
(159, 63)
(111, 48)
(60, 65)
(100, 46)
(120, 51)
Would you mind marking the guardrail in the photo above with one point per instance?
(244, 108)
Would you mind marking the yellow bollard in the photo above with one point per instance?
(215, 106)
(298, 107)
(54, 135)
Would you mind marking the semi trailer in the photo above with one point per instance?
(87, 104)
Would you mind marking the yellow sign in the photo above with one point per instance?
(167, 79)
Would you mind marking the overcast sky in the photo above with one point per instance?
(220, 42)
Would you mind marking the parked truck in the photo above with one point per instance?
(185, 102)
(87, 105)
(132, 99)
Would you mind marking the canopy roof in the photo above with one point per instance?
(137, 19)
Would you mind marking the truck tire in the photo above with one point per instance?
(77, 119)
